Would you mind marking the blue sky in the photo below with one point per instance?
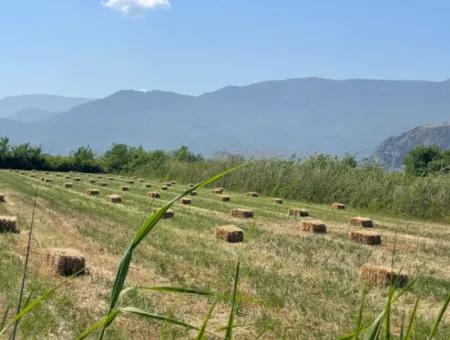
(95, 47)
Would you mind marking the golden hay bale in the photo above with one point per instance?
(314, 226)
(230, 233)
(218, 190)
(114, 198)
(43, 179)
(223, 198)
(103, 184)
(100, 177)
(174, 182)
(22, 173)
(168, 184)
(48, 180)
(338, 206)
(164, 187)
(67, 177)
(33, 176)
(194, 193)
(168, 214)
(77, 179)
(383, 275)
(125, 188)
(47, 173)
(92, 181)
(2, 197)
(277, 200)
(154, 194)
(92, 192)
(298, 212)
(147, 185)
(252, 194)
(186, 201)
(68, 185)
(359, 221)
(242, 213)
(110, 178)
(8, 224)
(141, 180)
(66, 262)
(365, 237)
(130, 182)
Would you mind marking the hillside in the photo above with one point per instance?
(31, 115)
(9, 106)
(394, 149)
(275, 117)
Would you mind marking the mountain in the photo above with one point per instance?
(11, 105)
(274, 117)
(31, 115)
(394, 149)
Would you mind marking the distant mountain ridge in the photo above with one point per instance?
(273, 117)
(10, 106)
(394, 149)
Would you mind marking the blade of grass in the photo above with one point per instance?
(5, 316)
(106, 320)
(146, 227)
(202, 330)
(439, 318)
(25, 267)
(229, 332)
(409, 330)
(360, 313)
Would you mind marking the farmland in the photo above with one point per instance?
(294, 284)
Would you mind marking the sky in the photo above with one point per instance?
(93, 48)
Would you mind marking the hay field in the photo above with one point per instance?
(294, 284)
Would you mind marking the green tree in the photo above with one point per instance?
(421, 160)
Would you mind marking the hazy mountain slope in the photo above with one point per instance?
(13, 104)
(394, 149)
(31, 115)
(278, 117)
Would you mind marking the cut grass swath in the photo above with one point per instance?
(147, 226)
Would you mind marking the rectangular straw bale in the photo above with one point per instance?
(8, 224)
(92, 192)
(48, 180)
(168, 214)
(314, 226)
(186, 201)
(147, 185)
(383, 275)
(338, 206)
(218, 190)
(114, 198)
(154, 194)
(223, 198)
(252, 194)
(230, 233)
(365, 237)
(242, 213)
(66, 262)
(125, 188)
(2, 197)
(359, 221)
(164, 187)
(194, 193)
(277, 200)
(68, 185)
(298, 212)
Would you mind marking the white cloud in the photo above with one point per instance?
(127, 5)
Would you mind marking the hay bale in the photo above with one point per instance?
(92, 181)
(164, 187)
(365, 237)
(314, 226)
(223, 198)
(168, 184)
(383, 275)
(194, 193)
(43, 179)
(92, 192)
(8, 224)
(191, 185)
(230, 233)
(100, 177)
(298, 212)
(338, 206)
(66, 262)
(2, 197)
(48, 180)
(33, 176)
(77, 179)
(68, 185)
(186, 201)
(153, 194)
(252, 194)
(168, 214)
(218, 190)
(114, 198)
(147, 185)
(242, 213)
(110, 178)
(174, 182)
(359, 221)
(130, 182)
(125, 188)
(277, 200)
(67, 177)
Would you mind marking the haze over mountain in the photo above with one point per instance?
(276, 117)
(10, 106)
